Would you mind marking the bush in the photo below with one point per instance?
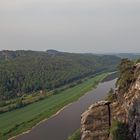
(111, 96)
(126, 75)
(119, 131)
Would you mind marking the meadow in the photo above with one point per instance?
(15, 122)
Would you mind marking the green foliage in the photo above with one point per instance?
(138, 60)
(25, 72)
(19, 120)
(75, 136)
(19, 102)
(111, 96)
(119, 131)
(126, 74)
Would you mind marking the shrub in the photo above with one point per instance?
(126, 74)
(119, 131)
(111, 96)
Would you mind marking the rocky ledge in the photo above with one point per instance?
(97, 120)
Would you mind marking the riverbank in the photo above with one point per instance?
(75, 136)
(68, 119)
(21, 120)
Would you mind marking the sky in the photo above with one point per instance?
(96, 26)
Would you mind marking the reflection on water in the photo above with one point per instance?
(68, 120)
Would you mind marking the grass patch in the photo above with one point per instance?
(76, 135)
(20, 120)
(119, 131)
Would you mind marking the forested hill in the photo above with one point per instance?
(132, 56)
(24, 72)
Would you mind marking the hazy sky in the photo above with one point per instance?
(70, 25)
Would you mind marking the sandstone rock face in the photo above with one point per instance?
(134, 111)
(95, 122)
(134, 120)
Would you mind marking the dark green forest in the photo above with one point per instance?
(25, 72)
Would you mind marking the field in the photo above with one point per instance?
(17, 121)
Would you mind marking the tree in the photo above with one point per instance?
(126, 74)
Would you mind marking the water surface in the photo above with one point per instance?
(67, 121)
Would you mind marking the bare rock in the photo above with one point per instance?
(95, 122)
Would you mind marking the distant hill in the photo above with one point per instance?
(53, 52)
(128, 55)
(24, 72)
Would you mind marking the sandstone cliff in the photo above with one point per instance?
(97, 121)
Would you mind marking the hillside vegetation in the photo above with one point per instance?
(25, 72)
(22, 119)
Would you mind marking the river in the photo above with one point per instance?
(67, 121)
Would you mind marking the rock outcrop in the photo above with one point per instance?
(96, 121)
